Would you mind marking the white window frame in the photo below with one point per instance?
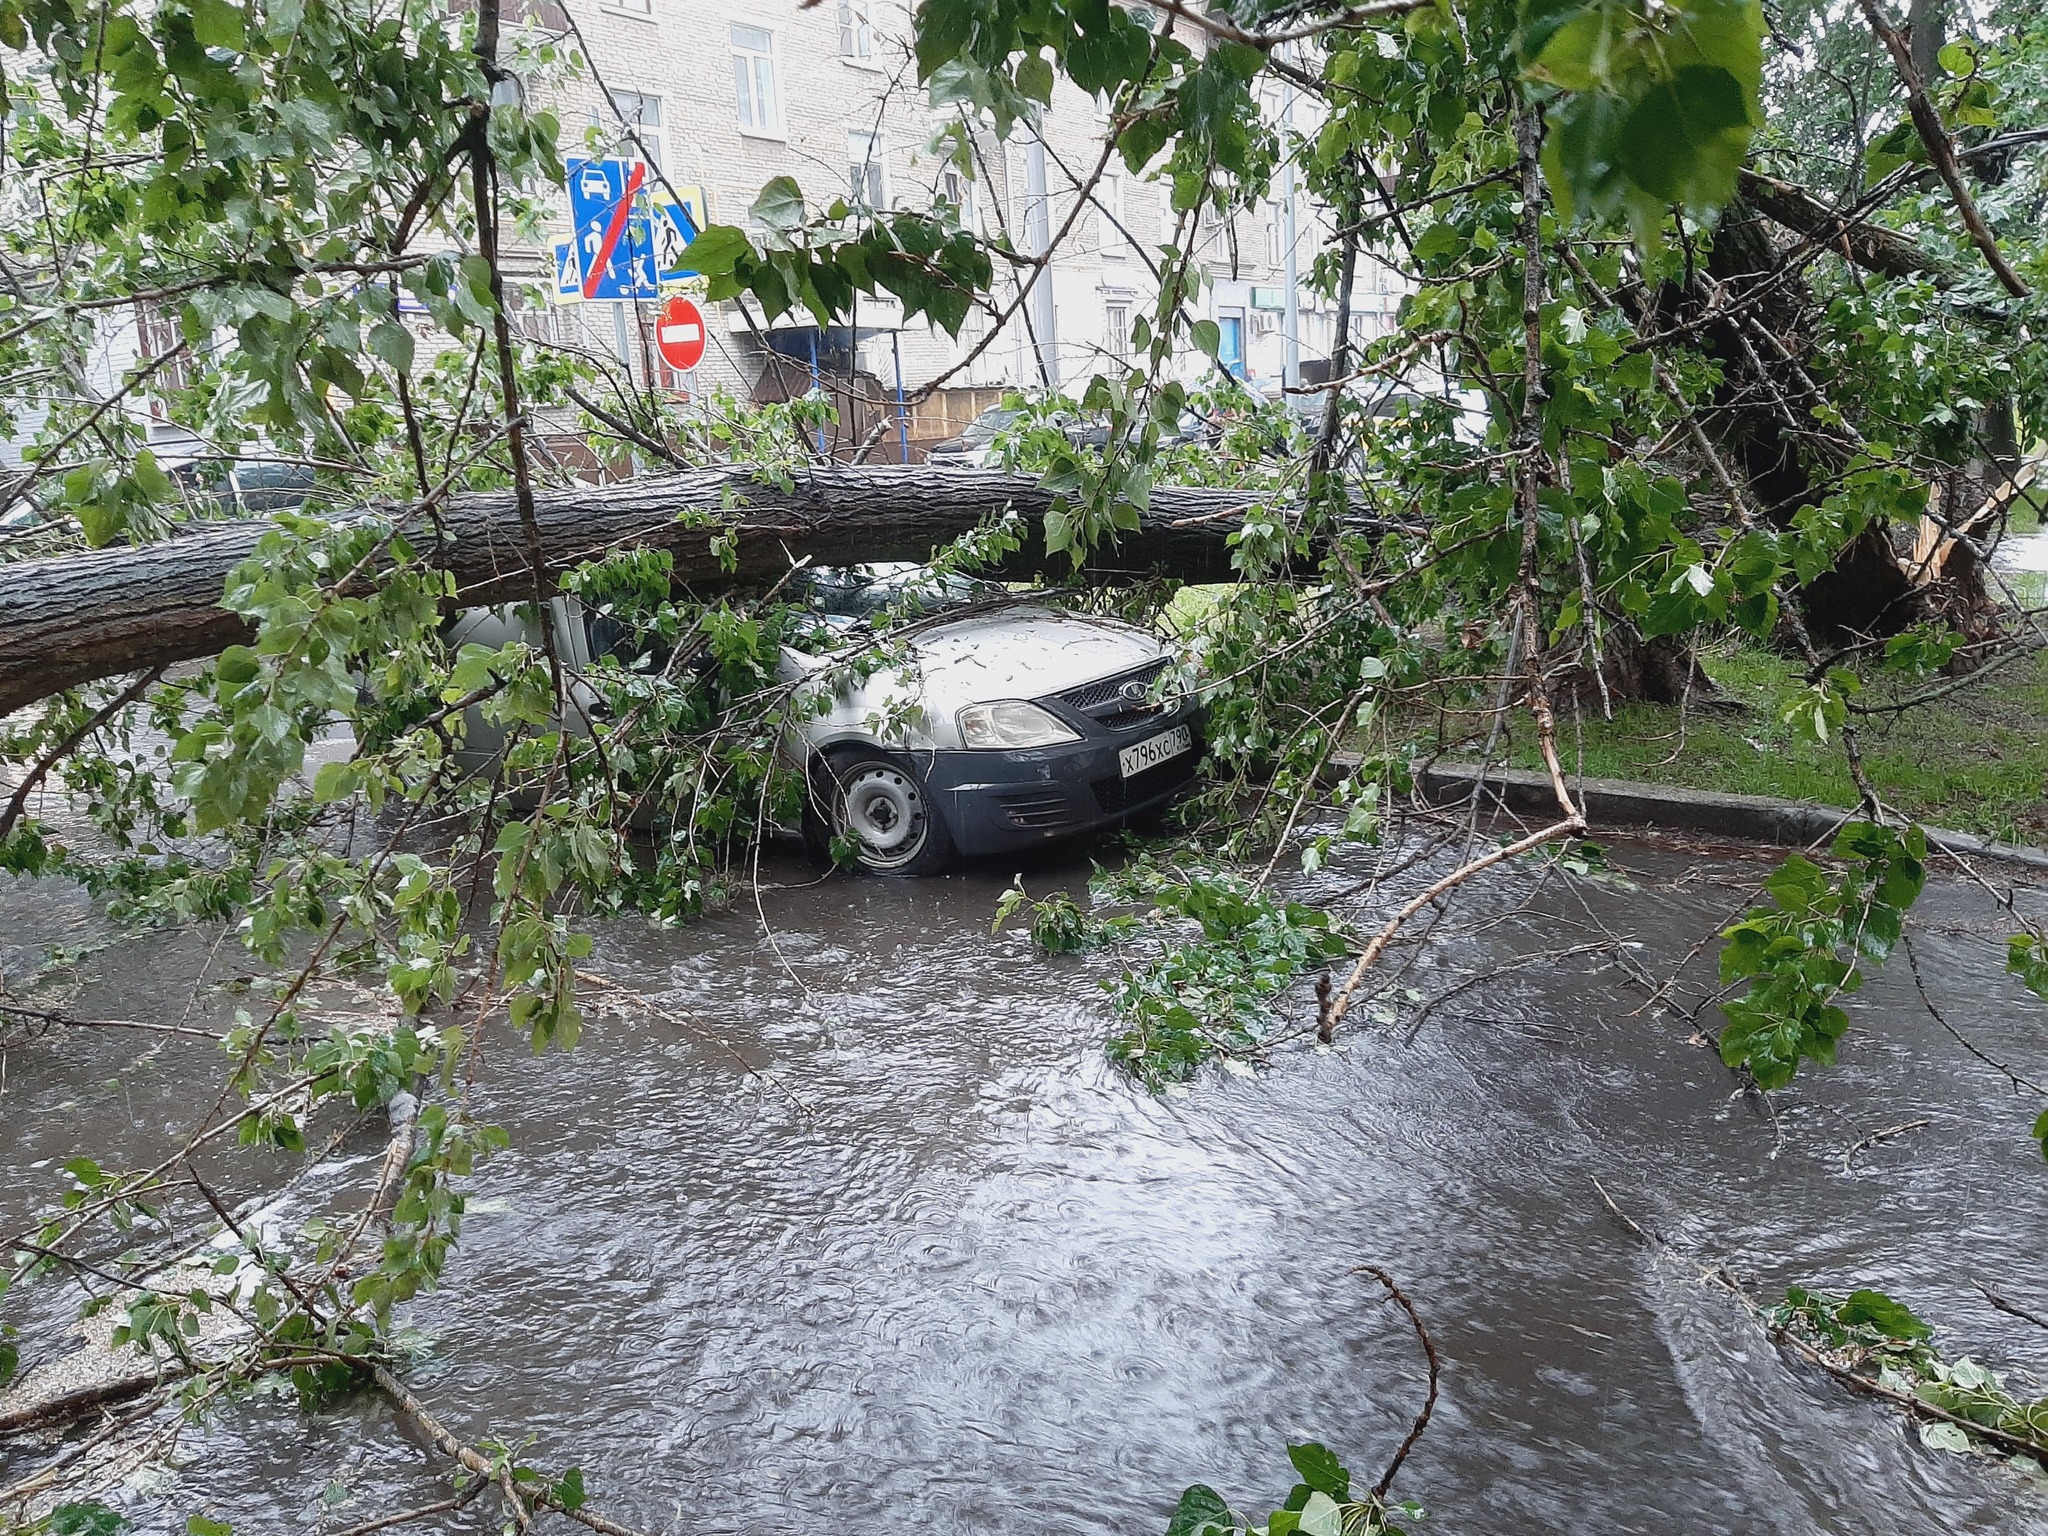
(746, 109)
(857, 33)
(1116, 329)
(1109, 206)
(961, 190)
(867, 169)
(630, 107)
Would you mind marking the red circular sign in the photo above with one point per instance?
(679, 334)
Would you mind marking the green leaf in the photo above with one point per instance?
(1945, 1437)
(199, 1525)
(392, 341)
(1891, 1318)
(1207, 337)
(2041, 1132)
(780, 206)
(334, 781)
(86, 1520)
(1321, 1516)
(569, 1490)
(237, 665)
(10, 1360)
(150, 478)
(1667, 144)
(1201, 1508)
(1444, 239)
(1034, 77)
(217, 24)
(1318, 1466)
(718, 249)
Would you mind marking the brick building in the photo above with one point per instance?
(727, 94)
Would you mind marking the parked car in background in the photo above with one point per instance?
(975, 445)
(992, 722)
(242, 487)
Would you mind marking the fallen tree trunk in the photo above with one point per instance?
(1870, 246)
(78, 618)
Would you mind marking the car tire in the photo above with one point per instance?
(880, 806)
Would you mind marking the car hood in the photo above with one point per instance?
(1026, 653)
(1019, 653)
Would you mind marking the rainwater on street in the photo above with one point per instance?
(838, 1220)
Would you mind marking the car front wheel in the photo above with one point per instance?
(880, 808)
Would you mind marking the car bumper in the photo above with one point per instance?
(997, 802)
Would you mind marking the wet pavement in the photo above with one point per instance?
(855, 1230)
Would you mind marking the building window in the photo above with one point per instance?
(1276, 237)
(957, 191)
(1116, 329)
(866, 172)
(547, 15)
(642, 114)
(857, 30)
(1109, 199)
(753, 78)
(157, 332)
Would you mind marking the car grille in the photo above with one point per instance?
(1104, 702)
(1037, 812)
(1120, 794)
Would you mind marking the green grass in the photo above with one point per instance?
(1975, 760)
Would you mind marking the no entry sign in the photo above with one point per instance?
(679, 334)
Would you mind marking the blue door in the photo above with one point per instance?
(1230, 349)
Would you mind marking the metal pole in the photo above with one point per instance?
(1038, 234)
(1290, 341)
(817, 383)
(902, 421)
(622, 339)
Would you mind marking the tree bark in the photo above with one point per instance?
(78, 618)
(1870, 246)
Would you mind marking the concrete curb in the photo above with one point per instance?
(1627, 803)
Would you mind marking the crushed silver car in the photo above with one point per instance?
(995, 724)
(981, 722)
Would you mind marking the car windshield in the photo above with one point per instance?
(853, 592)
(984, 427)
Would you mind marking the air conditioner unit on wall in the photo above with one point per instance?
(1264, 322)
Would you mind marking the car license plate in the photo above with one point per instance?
(1155, 750)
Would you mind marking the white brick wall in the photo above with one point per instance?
(680, 51)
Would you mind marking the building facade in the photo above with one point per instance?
(726, 95)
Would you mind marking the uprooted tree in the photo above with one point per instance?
(1746, 361)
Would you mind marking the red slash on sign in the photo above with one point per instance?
(620, 215)
(679, 334)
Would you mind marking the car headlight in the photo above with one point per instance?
(1012, 723)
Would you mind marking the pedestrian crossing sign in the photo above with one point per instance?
(678, 220)
(568, 274)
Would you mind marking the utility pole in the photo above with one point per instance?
(1290, 307)
(1038, 233)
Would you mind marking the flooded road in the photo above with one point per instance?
(855, 1230)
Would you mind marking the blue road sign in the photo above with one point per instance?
(673, 232)
(675, 225)
(613, 240)
(568, 274)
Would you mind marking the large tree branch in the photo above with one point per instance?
(1870, 246)
(81, 617)
(1933, 134)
